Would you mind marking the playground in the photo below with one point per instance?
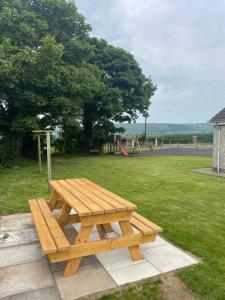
(159, 147)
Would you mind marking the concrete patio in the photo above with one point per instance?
(26, 274)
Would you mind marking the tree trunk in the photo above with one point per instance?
(11, 149)
(88, 127)
(29, 146)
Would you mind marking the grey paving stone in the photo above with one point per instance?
(18, 237)
(133, 273)
(16, 217)
(117, 259)
(16, 222)
(42, 294)
(168, 258)
(25, 277)
(88, 280)
(14, 255)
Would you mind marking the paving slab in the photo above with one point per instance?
(16, 222)
(42, 294)
(25, 277)
(14, 255)
(168, 258)
(17, 237)
(88, 280)
(117, 259)
(133, 273)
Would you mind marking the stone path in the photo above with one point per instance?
(25, 272)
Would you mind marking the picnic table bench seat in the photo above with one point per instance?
(51, 236)
(145, 226)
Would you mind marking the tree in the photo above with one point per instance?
(37, 86)
(126, 93)
(53, 75)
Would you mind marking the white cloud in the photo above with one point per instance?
(179, 43)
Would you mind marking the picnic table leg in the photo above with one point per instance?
(127, 229)
(108, 227)
(53, 200)
(101, 231)
(64, 215)
(82, 237)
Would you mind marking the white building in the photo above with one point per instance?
(218, 122)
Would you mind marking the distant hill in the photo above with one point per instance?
(158, 129)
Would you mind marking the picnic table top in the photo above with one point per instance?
(88, 198)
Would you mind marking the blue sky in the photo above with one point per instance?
(179, 43)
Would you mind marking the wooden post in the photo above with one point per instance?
(39, 152)
(49, 158)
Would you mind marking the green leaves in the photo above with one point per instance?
(52, 74)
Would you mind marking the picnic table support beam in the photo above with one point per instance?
(127, 230)
(82, 237)
(64, 215)
(53, 200)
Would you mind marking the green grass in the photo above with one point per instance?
(189, 206)
(146, 291)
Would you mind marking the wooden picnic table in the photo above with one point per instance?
(85, 202)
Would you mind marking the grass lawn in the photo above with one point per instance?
(189, 206)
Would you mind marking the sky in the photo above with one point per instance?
(180, 44)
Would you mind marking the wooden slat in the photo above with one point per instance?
(146, 230)
(47, 243)
(106, 218)
(104, 201)
(81, 209)
(55, 230)
(84, 249)
(145, 221)
(119, 206)
(100, 202)
(123, 202)
(72, 187)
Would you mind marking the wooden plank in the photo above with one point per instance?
(72, 187)
(47, 243)
(64, 215)
(114, 205)
(107, 227)
(73, 219)
(145, 221)
(81, 209)
(91, 248)
(82, 237)
(127, 230)
(54, 228)
(119, 199)
(141, 226)
(80, 186)
(53, 200)
(101, 231)
(106, 218)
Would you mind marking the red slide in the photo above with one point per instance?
(122, 148)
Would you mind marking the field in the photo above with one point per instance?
(189, 206)
(164, 129)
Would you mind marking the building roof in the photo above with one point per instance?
(219, 118)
